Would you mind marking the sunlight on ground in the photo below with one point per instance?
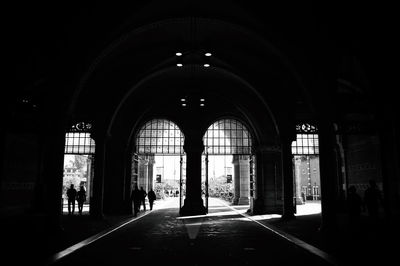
(85, 209)
(308, 208)
(216, 204)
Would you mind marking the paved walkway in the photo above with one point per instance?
(226, 235)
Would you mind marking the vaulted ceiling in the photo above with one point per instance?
(90, 60)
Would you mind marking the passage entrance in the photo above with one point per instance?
(78, 165)
(305, 151)
(228, 163)
(159, 162)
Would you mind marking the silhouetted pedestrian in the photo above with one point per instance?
(81, 199)
(143, 195)
(354, 205)
(372, 200)
(71, 194)
(152, 197)
(135, 198)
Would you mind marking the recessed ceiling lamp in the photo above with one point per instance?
(207, 54)
(202, 100)
(202, 104)
(183, 104)
(206, 65)
(179, 65)
(183, 99)
(178, 54)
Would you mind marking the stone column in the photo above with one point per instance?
(242, 179)
(150, 172)
(193, 204)
(288, 178)
(297, 177)
(143, 173)
(329, 176)
(390, 150)
(268, 196)
(52, 175)
(96, 206)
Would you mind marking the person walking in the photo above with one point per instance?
(143, 195)
(71, 194)
(135, 198)
(152, 197)
(81, 199)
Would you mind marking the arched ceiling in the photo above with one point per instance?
(86, 61)
(142, 63)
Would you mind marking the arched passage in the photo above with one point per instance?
(228, 170)
(79, 152)
(158, 159)
(306, 170)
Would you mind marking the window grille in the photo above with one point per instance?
(159, 136)
(78, 140)
(306, 141)
(227, 136)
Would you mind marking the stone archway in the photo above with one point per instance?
(156, 138)
(229, 136)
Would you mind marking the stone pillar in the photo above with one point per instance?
(193, 204)
(143, 173)
(288, 178)
(150, 172)
(242, 179)
(3, 139)
(268, 196)
(96, 206)
(297, 177)
(52, 175)
(329, 176)
(390, 150)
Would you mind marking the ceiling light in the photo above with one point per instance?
(207, 54)
(183, 104)
(178, 54)
(202, 104)
(179, 65)
(202, 100)
(183, 99)
(206, 65)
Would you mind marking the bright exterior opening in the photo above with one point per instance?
(305, 151)
(228, 163)
(159, 162)
(78, 167)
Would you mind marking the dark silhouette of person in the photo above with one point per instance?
(303, 197)
(354, 205)
(81, 198)
(143, 195)
(71, 194)
(152, 197)
(135, 198)
(372, 199)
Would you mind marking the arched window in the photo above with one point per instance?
(78, 140)
(159, 136)
(306, 140)
(227, 136)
